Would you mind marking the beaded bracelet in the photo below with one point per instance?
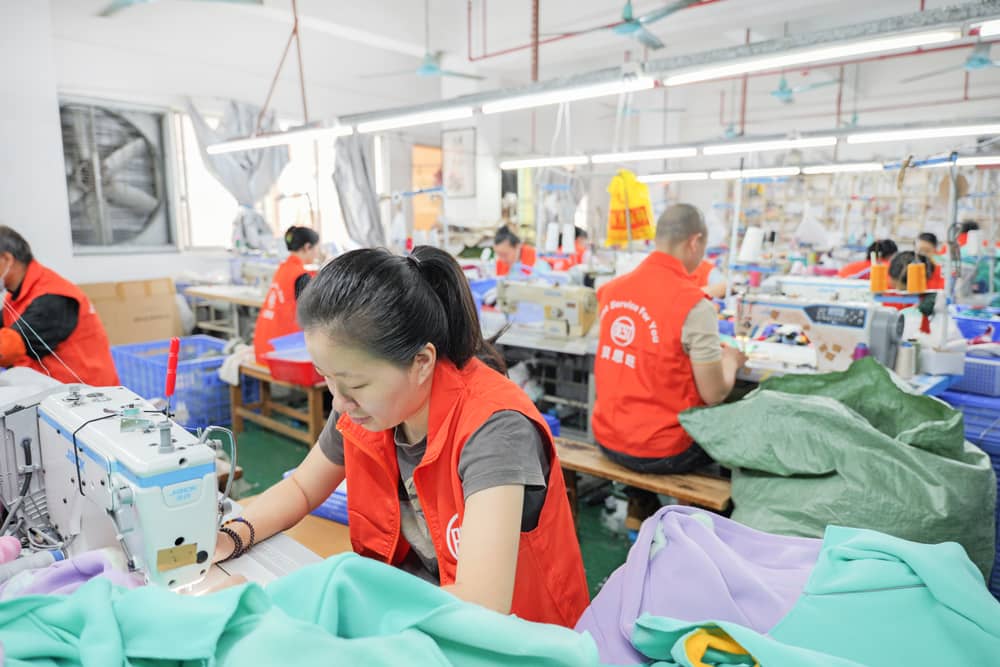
(237, 542)
(253, 534)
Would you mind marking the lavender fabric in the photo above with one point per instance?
(693, 565)
(65, 576)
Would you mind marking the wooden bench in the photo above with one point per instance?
(260, 412)
(703, 490)
(222, 470)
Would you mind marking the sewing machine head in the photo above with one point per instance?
(827, 336)
(100, 468)
(564, 311)
(819, 288)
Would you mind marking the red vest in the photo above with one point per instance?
(936, 281)
(87, 350)
(550, 586)
(527, 259)
(277, 316)
(643, 376)
(702, 273)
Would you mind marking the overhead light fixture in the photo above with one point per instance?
(532, 100)
(675, 177)
(989, 28)
(819, 54)
(564, 161)
(776, 145)
(923, 133)
(639, 156)
(279, 139)
(414, 119)
(769, 172)
(842, 168)
(979, 161)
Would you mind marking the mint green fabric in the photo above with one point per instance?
(881, 600)
(854, 449)
(347, 610)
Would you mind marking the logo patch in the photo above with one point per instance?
(452, 534)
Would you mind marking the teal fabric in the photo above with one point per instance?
(854, 449)
(881, 600)
(347, 610)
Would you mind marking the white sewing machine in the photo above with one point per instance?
(91, 468)
(834, 330)
(819, 288)
(564, 311)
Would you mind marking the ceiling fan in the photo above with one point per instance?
(431, 64)
(118, 5)
(786, 93)
(634, 27)
(979, 59)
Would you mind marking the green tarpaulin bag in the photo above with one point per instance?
(852, 449)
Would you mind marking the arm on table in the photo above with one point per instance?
(715, 379)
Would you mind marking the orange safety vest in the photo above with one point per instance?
(549, 586)
(87, 350)
(277, 316)
(527, 259)
(642, 374)
(702, 273)
(936, 281)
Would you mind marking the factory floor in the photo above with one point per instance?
(264, 456)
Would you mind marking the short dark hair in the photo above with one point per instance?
(14, 243)
(580, 233)
(504, 234)
(297, 238)
(882, 248)
(897, 267)
(929, 237)
(391, 306)
(969, 226)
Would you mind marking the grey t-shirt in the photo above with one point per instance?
(506, 450)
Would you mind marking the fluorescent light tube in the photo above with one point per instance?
(989, 28)
(414, 119)
(770, 172)
(979, 161)
(675, 177)
(532, 100)
(923, 133)
(842, 168)
(638, 156)
(279, 139)
(565, 161)
(819, 54)
(777, 145)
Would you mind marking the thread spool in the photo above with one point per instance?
(879, 278)
(916, 277)
(753, 242)
(906, 361)
(973, 242)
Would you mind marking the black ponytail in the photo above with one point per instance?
(392, 306)
(297, 238)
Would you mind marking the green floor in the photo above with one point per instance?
(264, 456)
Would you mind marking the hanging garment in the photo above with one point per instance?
(629, 208)
(690, 564)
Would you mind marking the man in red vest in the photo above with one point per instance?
(659, 353)
(49, 324)
(514, 258)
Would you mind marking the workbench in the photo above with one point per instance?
(313, 417)
(217, 307)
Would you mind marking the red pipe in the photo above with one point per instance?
(743, 104)
(534, 40)
(840, 95)
(965, 93)
(555, 38)
(722, 107)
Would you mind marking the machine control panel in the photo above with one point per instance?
(843, 316)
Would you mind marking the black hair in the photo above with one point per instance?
(969, 226)
(14, 243)
(297, 238)
(580, 233)
(392, 305)
(929, 237)
(883, 248)
(504, 234)
(897, 267)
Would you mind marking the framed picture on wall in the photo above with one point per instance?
(459, 162)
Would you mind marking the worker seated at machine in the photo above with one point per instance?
(277, 316)
(659, 353)
(709, 278)
(920, 322)
(49, 324)
(927, 246)
(883, 250)
(514, 258)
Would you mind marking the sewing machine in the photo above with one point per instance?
(834, 329)
(86, 468)
(565, 311)
(820, 288)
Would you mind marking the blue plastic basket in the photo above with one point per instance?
(480, 288)
(554, 424)
(333, 508)
(200, 393)
(973, 327)
(982, 376)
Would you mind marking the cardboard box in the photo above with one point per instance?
(136, 311)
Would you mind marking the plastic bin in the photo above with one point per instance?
(290, 361)
(201, 398)
(974, 327)
(480, 289)
(333, 508)
(553, 423)
(982, 376)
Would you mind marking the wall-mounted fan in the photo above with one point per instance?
(115, 176)
(979, 59)
(786, 93)
(118, 5)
